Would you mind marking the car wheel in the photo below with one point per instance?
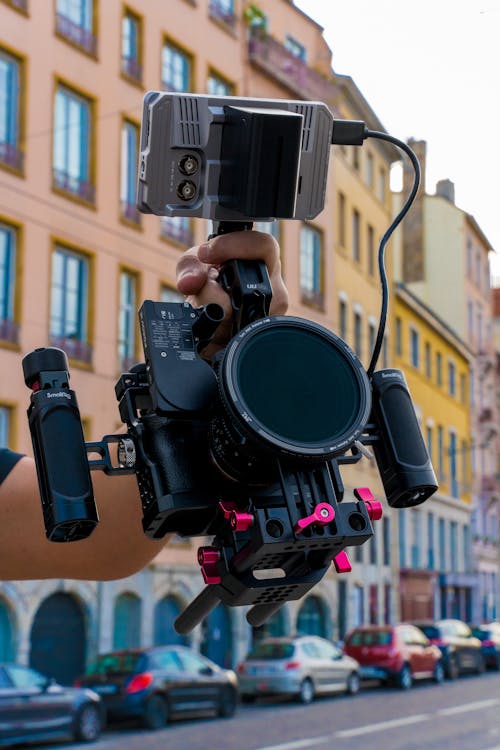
(452, 671)
(353, 684)
(227, 702)
(248, 698)
(405, 678)
(156, 712)
(438, 675)
(306, 691)
(88, 723)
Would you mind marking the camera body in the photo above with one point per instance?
(233, 159)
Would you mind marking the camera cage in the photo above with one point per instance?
(275, 507)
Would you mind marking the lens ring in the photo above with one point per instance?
(238, 370)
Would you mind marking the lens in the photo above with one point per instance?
(296, 386)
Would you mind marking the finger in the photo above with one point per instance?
(249, 245)
(192, 273)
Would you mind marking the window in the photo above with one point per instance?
(429, 440)
(75, 23)
(467, 548)
(176, 66)
(453, 546)
(442, 544)
(370, 241)
(430, 541)
(373, 550)
(222, 10)
(296, 48)
(11, 154)
(311, 281)
(169, 294)
(416, 537)
(218, 86)
(177, 228)
(470, 318)
(5, 424)
(356, 245)
(270, 227)
(372, 331)
(402, 539)
(132, 46)
(343, 319)
(341, 219)
(428, 363)
(453, 465)
(464, 466)
(451, 378)
(414, 348)
(440, 452)
(369, 169)
(386, 540)
(69, 303)
(9, 330)
(128, 172)
(399, 337)
(382, 187)
(127, 319)
(439, 368)
(358, 335)
(72, 156)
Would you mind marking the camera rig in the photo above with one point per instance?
(245, 448)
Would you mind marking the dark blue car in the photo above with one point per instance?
(489, 635)
(34, 707)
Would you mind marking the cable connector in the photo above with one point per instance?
(349, 132)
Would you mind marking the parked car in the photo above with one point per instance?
(396, 654)
(156, 684)
(302, 667)
(489, 635)
(461, 650)
(34, 707)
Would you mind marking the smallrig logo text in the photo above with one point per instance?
(58, 395)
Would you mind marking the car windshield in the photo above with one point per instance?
(430, 631)
(114, 663)
(272, 651)
(371, 638)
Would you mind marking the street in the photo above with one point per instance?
(462, 715)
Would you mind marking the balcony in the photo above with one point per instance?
(81, 351)
(219, 12)
(487, 422)
(486, 360)
(82, 37)
(130, 213)
(132, 68)
(74, 186)
(178, 231)
(9, 331)
(289, 70)
(12, 156)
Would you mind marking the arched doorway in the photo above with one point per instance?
(312, 618)
(58, 638)
(217, 640)
(7, 637)
(166, 612)
(127, 621)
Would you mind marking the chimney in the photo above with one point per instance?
(446, 189)
(413, 224)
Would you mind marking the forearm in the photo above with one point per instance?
(117, 548)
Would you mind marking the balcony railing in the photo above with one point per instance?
(74, 185)
(310, 297)
(132, 68)
(9, 330)
(79, 35)
(12, 156)
(74, 348)
(219, 12)
(130, 212)
(177, 232)
(289, 70)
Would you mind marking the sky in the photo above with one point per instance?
(430, 70)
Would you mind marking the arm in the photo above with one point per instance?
(117, 547)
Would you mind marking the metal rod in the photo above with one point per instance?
(195, 612)
(261, 612)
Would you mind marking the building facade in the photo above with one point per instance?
(443, 248)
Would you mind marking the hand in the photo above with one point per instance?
(198, 269)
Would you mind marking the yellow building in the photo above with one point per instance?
(435, 538)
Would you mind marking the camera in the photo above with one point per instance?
(245, 447)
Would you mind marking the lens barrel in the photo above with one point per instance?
(289, 388)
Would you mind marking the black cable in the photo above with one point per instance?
(383, 242)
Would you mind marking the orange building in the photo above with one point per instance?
(76, 259)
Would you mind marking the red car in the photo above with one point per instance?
(396, 654)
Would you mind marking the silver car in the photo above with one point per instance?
(302, 667)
